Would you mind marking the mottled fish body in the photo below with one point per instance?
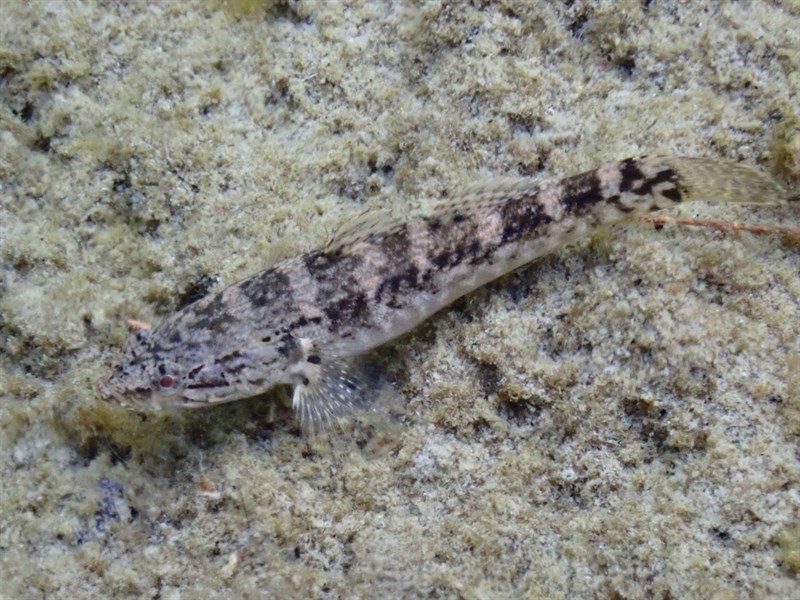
(305, 321)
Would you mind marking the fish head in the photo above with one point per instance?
(155, 373)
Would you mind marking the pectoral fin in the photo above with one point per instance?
(327, 387)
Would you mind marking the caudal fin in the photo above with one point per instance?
(722, 180)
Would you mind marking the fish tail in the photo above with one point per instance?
(722, 180)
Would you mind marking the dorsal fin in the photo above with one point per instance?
(499, 186)
(379, 221)
(361, 227)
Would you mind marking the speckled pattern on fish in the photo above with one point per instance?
(307, 320)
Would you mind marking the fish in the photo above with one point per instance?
(310, 320)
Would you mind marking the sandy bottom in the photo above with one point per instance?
(618, 420)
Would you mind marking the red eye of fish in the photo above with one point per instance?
(167, 381)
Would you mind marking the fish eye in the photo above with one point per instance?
(167, 378)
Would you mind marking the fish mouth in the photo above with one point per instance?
(107, 392)
(141, 401)
(111, 394)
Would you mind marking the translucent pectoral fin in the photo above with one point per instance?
(329, 388)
